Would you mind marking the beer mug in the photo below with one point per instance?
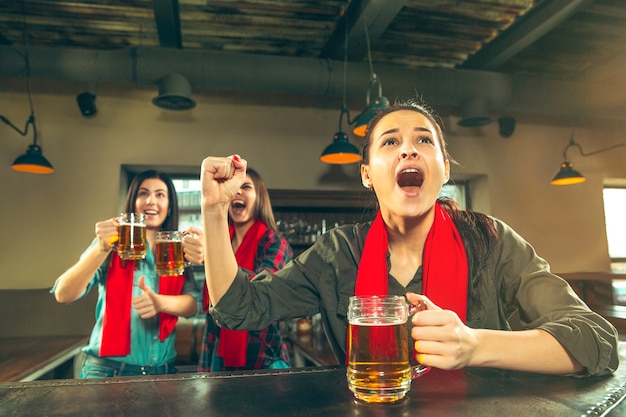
(131, 243)
(169, 253)
(378, 351)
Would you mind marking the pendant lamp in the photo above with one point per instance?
(568, 175)
(341, 151)
(32, 161)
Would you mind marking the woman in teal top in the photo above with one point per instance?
(150, 348)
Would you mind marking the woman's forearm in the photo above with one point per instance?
(72, 283)
(527, 350)
(220, 265)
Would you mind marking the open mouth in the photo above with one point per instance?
(410, 177)
(237, 206)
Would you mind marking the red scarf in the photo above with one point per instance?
(116, 320)
(233, 344)
(444, 268)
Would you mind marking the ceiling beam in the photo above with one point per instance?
(167, 19)
(376, 15)
(543, 18)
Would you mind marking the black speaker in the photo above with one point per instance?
(87, 104)
(507, 126)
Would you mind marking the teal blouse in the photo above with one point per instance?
(145, 347)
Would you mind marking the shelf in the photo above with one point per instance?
(330, 199)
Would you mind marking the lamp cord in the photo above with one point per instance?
(344, 107)
(572, 143)
(31, 118)
(373, 77)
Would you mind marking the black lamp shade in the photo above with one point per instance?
(33, 162)
(341, 151)
(379, 104)
(567, 175)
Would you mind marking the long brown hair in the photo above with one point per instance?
(262, 205)
(171, 221)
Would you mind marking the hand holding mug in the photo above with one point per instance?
(439, 336)
(107, 233)
(193, 248)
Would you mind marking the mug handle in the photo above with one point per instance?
(418, 369)
(184, 235)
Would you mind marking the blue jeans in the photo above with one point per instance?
(95, 367)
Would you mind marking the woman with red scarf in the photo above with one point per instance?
(257, 247)
(137, 310)
(472, 271)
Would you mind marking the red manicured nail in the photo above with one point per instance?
(236, 158)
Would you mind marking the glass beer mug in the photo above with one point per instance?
(169, 253)
(378, 351)
(131, 243)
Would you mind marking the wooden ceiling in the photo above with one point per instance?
(580, 41)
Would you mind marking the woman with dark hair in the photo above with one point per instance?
(257, 246)
(136, 312)
(470, 270)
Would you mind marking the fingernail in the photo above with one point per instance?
(415, 346)
(236, 158)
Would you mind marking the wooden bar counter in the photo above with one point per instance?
(30, 358)
(318, 391)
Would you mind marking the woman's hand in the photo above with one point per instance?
(441, 339)
(193, 245)
(107, 233)
(146, 305)
(221, 178)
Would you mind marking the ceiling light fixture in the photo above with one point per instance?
(475, 113)
(174, 93)
(378, 104)
(32, 161)
(568, 175)
(341, 151)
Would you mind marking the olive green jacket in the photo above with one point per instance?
(516, 282)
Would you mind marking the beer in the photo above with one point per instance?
(132, 241)
(378, 358)
(169, 257)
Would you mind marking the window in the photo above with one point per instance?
(615, 221)
(188, 193)
(456, 192)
